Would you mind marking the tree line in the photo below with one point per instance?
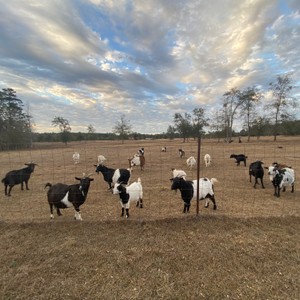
(16, 124)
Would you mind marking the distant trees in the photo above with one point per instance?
(64, 127)
(189, 125)
(15, 125)
(122, 128)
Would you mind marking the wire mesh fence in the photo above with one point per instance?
(235, 195)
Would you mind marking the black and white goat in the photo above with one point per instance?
(239, 158)
(113, 176)
(63, 196)
(256, 169)
(18, 177)
(282, 179)
(163, 149)
(188, 191)
(181, 153)
(128, 194)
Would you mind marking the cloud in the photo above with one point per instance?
(92, 61)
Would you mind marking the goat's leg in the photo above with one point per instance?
(22, 187)
(77, 214)
(122, 213)
(127, 212)
(51, 211)
(292, 188)
(206, 204)
(26, 184)
(262, 183)
(58, 212)
(283, 188)
(9, 190)
(212, 198)
(5, 190)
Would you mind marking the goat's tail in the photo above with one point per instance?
(48, 184)
(214, 180)
(3, 180)
(139, 180)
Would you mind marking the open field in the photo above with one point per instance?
(247, 249)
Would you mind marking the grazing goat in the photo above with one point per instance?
(18, 176)
(164, 149)
(113, 176)
(137, 160)
(207, 160)
(101, 159)
(181, 153)
(256, 169)
(76, 158)
(191, 162)
(64, 196)
(239, 158)
(282, 179)
(128, 194)
(177, 173)
(188, 191)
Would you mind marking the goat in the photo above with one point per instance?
(207, 160)
(191, 162)
(239, 158)
(101, 159)
(280, 166)
(141, 151)
(272, 171)
(177, 173)
(18, 177)
(188, 191)
(256, 170)
(137, 160)
(64, 196)
(164, 149)
(282, 179)
(113, 176)
(133, 192)
(181, 153)
(76, 157)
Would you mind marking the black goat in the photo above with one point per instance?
(188, 191)
(64, 196)
(112, 176)
(18, 176)
(239, 158)
(256, 169)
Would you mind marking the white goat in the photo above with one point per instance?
(178, 173)
(133, 192)
(76, 157)
(191, 162)
(207, 160)
(272, 172)
(101, 159)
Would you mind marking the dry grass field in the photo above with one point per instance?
(247, 249)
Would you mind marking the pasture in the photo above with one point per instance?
(247, 249)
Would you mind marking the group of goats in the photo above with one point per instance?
(61, 196)
(281, 175)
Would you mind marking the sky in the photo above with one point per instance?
(92, 61)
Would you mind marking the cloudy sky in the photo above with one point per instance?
(90, 61)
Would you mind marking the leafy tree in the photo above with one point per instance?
(218, 124)
(281, 89)
(183, 125)
(199, 121)
(122, 128)
(91, 129)
(15, 125)
(64, 127)
(171, 132)
(249, 99)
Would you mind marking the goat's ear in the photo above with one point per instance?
(77, 178)
(266, 168)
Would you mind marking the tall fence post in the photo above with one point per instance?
(198, 173)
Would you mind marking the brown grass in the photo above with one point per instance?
(247, 249)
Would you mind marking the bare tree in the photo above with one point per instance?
(282, 100)
(231, 101)
(249, 99)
